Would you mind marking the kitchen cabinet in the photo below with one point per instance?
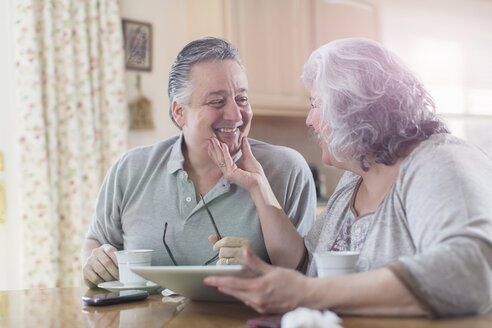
(274, 41)
(276, 37)
(337, 19)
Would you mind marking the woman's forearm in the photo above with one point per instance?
(377, 292)
(284, 244)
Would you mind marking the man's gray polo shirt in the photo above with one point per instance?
(147, 187)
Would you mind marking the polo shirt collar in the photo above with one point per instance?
(176, 159)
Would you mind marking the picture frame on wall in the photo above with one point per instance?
(138, 45)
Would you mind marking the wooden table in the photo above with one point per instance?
(62, 307)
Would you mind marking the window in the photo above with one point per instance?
(449, 44)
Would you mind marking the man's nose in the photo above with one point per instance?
(232, 112)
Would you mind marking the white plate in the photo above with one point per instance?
(115, 286)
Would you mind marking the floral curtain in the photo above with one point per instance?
(73, 124)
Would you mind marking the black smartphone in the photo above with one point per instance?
(115, 297)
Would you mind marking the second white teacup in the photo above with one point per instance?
(130, 258)
(334, 263)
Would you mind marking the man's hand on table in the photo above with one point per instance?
(101, 266)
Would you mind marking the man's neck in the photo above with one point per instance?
(201, 170)
(198, 161)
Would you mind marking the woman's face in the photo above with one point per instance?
(314, 121)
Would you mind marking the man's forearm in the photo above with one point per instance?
(87, 247)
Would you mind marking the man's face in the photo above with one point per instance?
(218, 106)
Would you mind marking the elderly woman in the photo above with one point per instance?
(415, 201)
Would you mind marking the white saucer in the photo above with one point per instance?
(115, 286)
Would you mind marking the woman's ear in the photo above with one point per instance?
(179, 113)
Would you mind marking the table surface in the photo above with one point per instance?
(62, 307)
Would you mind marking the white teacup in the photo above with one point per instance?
(333, 263)
(130, 258)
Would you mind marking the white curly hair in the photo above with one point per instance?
(373, 104)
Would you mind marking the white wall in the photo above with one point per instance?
(165, 17)
(449, 44)
(174, 24)
(461, 27)
(10, 238)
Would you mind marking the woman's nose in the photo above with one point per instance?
(309, 121)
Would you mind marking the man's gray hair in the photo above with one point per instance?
(206, 49)
(372, 105)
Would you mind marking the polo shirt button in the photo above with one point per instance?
(188, 199)
(181, 175)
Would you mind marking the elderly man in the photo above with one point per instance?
(150, 188)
